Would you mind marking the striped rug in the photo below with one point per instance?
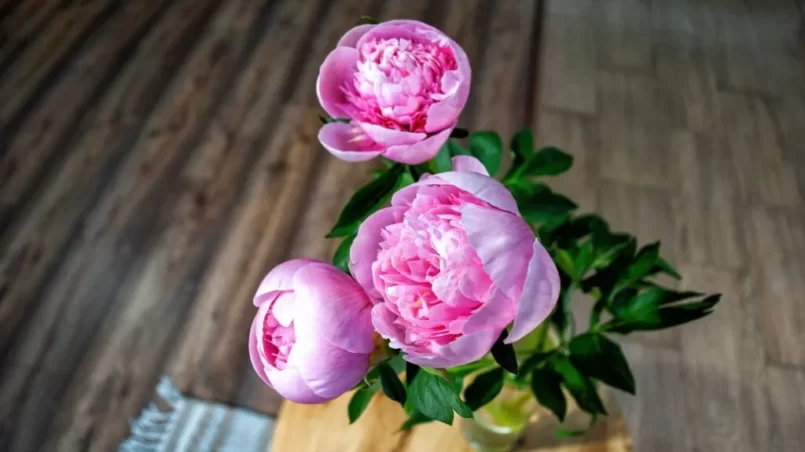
(181, 424)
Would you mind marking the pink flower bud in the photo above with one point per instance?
(402, 84)
(449, 265)
(312, 336)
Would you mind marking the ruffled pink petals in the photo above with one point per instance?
(254, 353)
(350, 38)
(467, 163)
(483, 187)
(366, 246)
(503, 241)
(497, 312)
(540, 293)
(336, 71)
(348, 142)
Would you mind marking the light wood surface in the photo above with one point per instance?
(325, 428)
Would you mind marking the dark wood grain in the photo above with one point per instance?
(158, 157)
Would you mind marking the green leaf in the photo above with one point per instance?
(533, 362)
(548, 161)
(580, 387)
(583, 260)
(665, 317)
(662, 266)
(643, 304)
(456, 149)
(598, 357)
(522, 148)
(672, 296)
(443, 161)
(643, 262)
(504, 353)
(414, 419)
(466, 369)
(366, 200)
(392, 386)
(546, 386)
(411, 370)
(622, 300)
(459, 133)
(610, 246)
(487, 147)
(538, 204)
(565, 261)
(484, 388)
(367, 20)
(341, 256)
(436, 398)
(328, 120)
(360, 400)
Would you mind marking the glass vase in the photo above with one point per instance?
(499, 425)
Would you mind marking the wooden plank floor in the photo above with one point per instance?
(156, 158)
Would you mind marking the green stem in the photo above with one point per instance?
(570, 328)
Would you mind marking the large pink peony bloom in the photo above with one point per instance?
(401, 83)
(449, 265)
(312, 336)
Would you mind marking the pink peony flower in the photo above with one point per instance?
(312, 336)
(449, 265)
(401, 83)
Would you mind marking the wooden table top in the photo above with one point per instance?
(325, 428)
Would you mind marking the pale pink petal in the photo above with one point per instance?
(383, 321)
(483, 187)
(468, 163)
(464, 350)
(254, 354)
(419, 152)
(289, 384)
(284, 308)
(497, 312)
(279, 279)
(336, 71)
(402, 29)
(343, 142)
(336, 306)
(503, 241)
(390, 137)
(327, 370)
(540, 293)
(350, 38)
(443, 113)
(366, 245)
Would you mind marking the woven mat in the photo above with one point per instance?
(181, 424)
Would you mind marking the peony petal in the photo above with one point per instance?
(442, 113)
(468, 163)
(390, 137)
(480, 186)
(289, 384)
(497, 312)
(367, 244)
(336, 71)
(326, 369)
(419, 152)
(350, 38)
(464, 350)
(335, 306)
(540, 293)
(279, 279)
(383, 321)
(403, 29)
(254, 354)
(346, 142)
(503, 241)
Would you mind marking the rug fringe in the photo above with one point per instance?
(154, 425)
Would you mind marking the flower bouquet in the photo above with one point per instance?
(451, 289)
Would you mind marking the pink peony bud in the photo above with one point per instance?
(312, 336)
(401, 83)
(449, 265)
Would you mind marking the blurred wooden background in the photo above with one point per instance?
(157, 158)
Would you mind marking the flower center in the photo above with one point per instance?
(278, 339)
(398, 80)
